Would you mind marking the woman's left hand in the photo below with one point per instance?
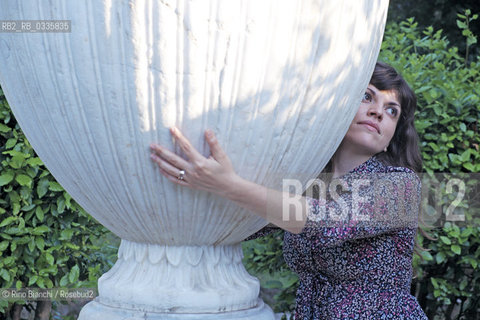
(214, 174)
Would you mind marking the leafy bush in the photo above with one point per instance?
(46, 239)
(263, 257)
(447, 120)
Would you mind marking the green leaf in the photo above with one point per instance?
(48, 283)
(440, 257)
(72, 246)
(49, 258)
(41, 282)
(33, 279)
(5, 275)
(3, 245)
(31, 245)
(471, 40)
(426, 256)
(60, 205)
(474, 263)
(445, 240)
(42, 187)
(64, 280)
(40, 243)
(28, 207)
(4, 128)
(40, 230)
(466, 232)
(456, 249)
(17, 162)
(23, 240)
(274, 284)
(465, 156)
(461, 24)
(66, 234)
(34, 162)
(13, 246)
(68, 199)
(15, 208)
(54, 186)
(10, 143)
(5, 178)
(7, 221)
(23, 180)
(8, 261)
(463, 284)
(39, 213)
(73, 274)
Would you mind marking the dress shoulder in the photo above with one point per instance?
(404, 174)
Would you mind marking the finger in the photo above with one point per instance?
(172, 178)
(169, 156)
(185, 145)
(215, 149)
(165, 166)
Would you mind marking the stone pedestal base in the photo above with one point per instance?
(151, 281)
(97, 311)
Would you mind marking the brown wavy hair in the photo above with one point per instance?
(403, 150)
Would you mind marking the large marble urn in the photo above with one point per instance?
(277, 80)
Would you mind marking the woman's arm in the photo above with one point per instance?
(216, 174)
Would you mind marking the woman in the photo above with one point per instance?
(352, 246)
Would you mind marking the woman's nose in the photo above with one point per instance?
(375, 110)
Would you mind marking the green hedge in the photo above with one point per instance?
(448, 92)
(46, 239)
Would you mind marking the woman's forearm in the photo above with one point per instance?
(282, 209)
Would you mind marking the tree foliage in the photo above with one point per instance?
(440, 14)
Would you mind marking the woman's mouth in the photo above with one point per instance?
(370, 126)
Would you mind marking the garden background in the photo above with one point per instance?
(47, 240)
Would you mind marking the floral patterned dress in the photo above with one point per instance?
(354, 255)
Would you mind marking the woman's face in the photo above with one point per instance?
(374, 124)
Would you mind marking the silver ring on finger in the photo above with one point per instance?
(181, 175)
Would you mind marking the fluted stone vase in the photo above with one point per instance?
(278, 81)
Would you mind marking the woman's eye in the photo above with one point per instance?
(367, 97)
(393, 111)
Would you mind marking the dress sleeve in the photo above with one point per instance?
(372, 205)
